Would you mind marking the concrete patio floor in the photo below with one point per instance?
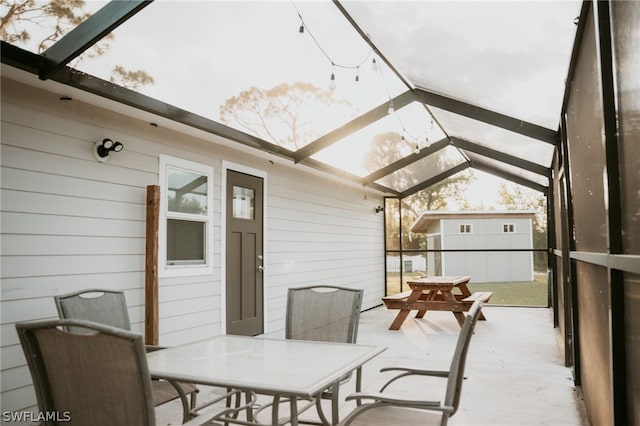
(515, 372)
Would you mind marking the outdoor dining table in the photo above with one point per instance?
(277, 367)
(434, 293)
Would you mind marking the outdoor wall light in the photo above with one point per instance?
(379, 209)
(102, 149)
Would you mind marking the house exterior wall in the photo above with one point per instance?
(485, 233)
(69, 223)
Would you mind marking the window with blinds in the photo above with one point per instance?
(186, 217)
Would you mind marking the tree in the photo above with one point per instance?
(438, 196)
(130, 79)
(517, 197)
(389, 147)
(64, 13)
(283, 114)
(56, 18)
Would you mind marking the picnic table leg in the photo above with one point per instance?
(465, 293)
(404, 313)
(430, 296)
(451, 298)
(397, 323)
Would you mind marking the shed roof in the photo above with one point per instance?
(421, 225)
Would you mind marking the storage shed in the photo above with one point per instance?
(479, 244)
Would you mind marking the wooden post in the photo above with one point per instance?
(151, 332)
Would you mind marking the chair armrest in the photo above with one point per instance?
(405, 372)
(397, 401)
(415, 371)
(153, 348)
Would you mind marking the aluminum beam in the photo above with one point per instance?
(85, 35)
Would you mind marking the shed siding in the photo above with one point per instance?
(487, 234)
(69, 222)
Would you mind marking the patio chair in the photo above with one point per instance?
(326, 314)
(110, 307)
(90, 374)
(389, 409)
(323, 313)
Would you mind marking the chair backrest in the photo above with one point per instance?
(98, 305)
(96, 377)
(323, 313)
(456, 371)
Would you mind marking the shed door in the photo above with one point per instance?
(244, 264)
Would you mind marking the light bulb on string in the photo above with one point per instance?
(332, 82)
(417, 150)
(303, 29)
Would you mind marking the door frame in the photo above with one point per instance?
(227, 165)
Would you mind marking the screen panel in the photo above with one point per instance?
(594, 328)
(632, 325)
(625, 18)
(585, 133)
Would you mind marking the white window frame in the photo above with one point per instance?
(181, 270)
(462, 228)
(511, 228)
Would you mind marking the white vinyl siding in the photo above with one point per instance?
(321, 235)
(70, 222)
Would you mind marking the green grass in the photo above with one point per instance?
(520, 293)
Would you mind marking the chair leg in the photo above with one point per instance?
(358, 384)
(445, 419)
(323, 418)
(194, 395)
(186, 411)
(335, 416)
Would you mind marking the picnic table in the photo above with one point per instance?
(435, 293)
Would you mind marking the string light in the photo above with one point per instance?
(332, 81)
(375, 67)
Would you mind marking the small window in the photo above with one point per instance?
(185, 237)
(243, 203)
(464, 228)
(508, 228)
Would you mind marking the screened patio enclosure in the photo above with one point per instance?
(399, 96)
(414, 86)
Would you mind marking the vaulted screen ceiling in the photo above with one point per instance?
(455, 84)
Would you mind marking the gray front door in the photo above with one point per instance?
(244, 265)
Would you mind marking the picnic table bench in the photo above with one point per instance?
(435, 293)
